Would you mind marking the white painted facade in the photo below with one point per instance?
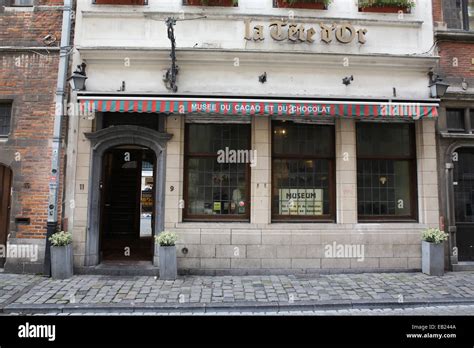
(129, 43)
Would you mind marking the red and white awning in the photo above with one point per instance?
(262, 107)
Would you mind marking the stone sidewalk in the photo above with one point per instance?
(30, 294)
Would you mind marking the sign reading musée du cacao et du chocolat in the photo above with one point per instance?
(283, 30)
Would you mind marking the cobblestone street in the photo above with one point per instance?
(33, 294)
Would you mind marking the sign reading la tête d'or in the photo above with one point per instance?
(283, 30)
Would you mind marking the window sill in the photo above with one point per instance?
(387, 221)
(455, 35)
(302, 221)
(29, 8)
(447, 135)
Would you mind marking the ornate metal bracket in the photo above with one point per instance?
(170, 77)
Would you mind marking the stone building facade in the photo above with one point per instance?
(341, 120)
(454, 25)
(30, 32)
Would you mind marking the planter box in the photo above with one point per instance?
(61, 262)
(223, 3)
(432, 258)
(168, 263)
(385, 9)
(302, 4)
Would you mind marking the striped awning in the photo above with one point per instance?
(262, 107)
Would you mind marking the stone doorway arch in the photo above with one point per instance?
(106, 139)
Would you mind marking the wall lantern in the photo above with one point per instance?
(78, 78)
(437, 87)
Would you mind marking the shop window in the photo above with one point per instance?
(217, 171)
(5, 119)
(455, 120)
(303, 172)
(386, 171)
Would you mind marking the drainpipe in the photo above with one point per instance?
(453, 254)
(52, 224)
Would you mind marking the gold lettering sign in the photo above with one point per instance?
(282, 30)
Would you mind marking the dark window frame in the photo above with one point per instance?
(9, 103)
(328, 218)
(465, 15)
(468, 125)
(213, 218)
(412, 160)
(463, 118)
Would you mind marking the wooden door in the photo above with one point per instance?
(5, 193)
(121, 193)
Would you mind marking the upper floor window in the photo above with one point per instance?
(459, 120)
(459, 14)
(120, 2)
(5, 119)
(22, 2)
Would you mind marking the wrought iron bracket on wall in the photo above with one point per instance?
(171, 73)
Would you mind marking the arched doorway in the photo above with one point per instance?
(5, 194)
(463, 201)
(103, 144)
(127, 204)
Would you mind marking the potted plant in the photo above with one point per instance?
(307, 4)
(432, 251)
(167, 254)
(61, 255)
(224, 3)
(386, 6)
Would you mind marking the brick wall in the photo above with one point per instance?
(437, 10)
(28, 28)
(28, 78)
(455, 61)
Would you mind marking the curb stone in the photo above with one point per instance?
(223, 307)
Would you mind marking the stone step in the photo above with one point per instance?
(463, 266)
(139, 268)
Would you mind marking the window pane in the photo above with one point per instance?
(5, 117)
(210, 138)
(455, 120)
(301, 187)
(383, 187)
(384, 140)
(22, 3)
(471, 116)
(303, 140)
(470, 13)
(217, 161)
(215, 188)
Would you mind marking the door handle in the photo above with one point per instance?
(108, 204)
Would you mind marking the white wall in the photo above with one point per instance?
(129, 43)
